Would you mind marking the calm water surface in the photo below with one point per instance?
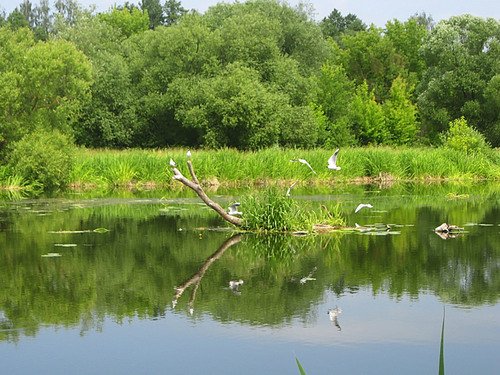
(148, 294)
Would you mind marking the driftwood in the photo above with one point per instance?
(196, 278)
(446, 231)
(448, 228)
(194, 184)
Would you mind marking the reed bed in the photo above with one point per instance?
(229, 167)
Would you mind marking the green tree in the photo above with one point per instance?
(462, 54)
(173, 10)
(407, 39)
(335, 25)
(370, 56)
(334, 94)
(464, 138)
(68, 10)
(26, 8)
(127, 21)
(367, 117)
(424, 20)
(491, 109)
(400, 113)
(47, 84)
(232, 109)
(43, 20)
(17, 20)
(109, 119)
(297, 35)
(154, 11)
(279, 47)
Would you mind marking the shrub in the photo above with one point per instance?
(43, 158)
(462, 137)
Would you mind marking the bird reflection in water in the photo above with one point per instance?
(333, 314)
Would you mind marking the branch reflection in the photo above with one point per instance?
(196, 278)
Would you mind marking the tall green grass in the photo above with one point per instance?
(271, 210)
(229, 167)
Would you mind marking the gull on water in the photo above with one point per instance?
(308, 277)
(332, 162)
(172, 163)
(290, 189)
(233, 209)
(235, 284)
(363, 205)
(304, 161)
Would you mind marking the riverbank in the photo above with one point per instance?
(149, 169)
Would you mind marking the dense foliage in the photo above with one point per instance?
(43, 158)
(246, 75)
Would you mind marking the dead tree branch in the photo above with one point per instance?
(195, 185)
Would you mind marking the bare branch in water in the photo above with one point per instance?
(195, 185)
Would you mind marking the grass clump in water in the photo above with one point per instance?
(273, 211)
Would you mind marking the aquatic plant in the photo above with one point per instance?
(441, 347)
(301, 369)
(271, 211)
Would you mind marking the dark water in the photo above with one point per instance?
(109, 303)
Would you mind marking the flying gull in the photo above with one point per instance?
(332, 162)
(363, 205)
(304, 161)
(233, 209)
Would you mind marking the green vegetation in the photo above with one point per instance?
(441, 346)
(146, 169)
(461, 137)
(301, 369)
(43, 159)
(247, 76)
(272, 211)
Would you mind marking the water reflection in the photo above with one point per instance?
(196, 278)
(132, 269)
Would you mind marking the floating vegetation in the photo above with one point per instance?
(65, 244)
(172, 209)
(70, 231)
(51, 255)
(100, 230)
(379, 233)
(97, 230)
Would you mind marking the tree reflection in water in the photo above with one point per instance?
(196, 278)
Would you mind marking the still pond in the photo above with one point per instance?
(140, 285)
